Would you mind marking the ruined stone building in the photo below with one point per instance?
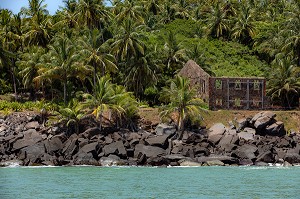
(226, 92)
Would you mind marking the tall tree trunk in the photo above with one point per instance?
(14, 80)
(65, 92)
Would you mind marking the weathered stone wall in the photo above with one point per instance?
(237, 93)
(198, 78)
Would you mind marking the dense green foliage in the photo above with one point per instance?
(142, 44)
(182, 101)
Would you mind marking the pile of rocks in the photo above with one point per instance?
(251, 141)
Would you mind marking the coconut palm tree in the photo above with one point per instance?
(36, 8)
(217, 21)
(182, 9)
(104, 99)
(64, 63)
(92, 14)
(8, 46)
(127, 42)
(182, 100)
(97, 54)
(291, 32)
(29, 64)
(38, 30)
(124, 99)
(153, 6)
(130, 10)
(68, 16)
(284, 83)
(176, 55)
(71, 115)
(244, 29)
(142, 72)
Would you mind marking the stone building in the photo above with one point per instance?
(227, 92)
(198, 78)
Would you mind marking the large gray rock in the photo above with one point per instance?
(34, 152)
(217, 129)
(111, 160)
(160, 141)
(157, 161)
(245, 162)
(53, 145)
(133, 136)
(70, 147)
(173, 157)
(276, 129)
(190, 163)
(149, 151)
(115, 148)
(200, 150)
(91, 132)
(162, 129)
(223, 158)
(242, 123)
(247, 134)
(292, 156)
(267, 156)
(215, 163)
(246, 151)
(227, 140)
(214, 139)
(90, 147)
(263, 119)
(32, 125)
(82, 158)
(31, 137)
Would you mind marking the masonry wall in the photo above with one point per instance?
(237, 93)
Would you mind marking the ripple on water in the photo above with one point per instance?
(149, 182)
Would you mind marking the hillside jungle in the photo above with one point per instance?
(90, 58)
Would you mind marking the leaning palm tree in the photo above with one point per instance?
(182, 100)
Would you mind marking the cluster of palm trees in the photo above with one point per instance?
(68, 52)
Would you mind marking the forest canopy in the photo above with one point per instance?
(140, 45)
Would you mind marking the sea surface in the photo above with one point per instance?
(149, 182)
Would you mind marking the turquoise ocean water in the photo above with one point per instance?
(149, 182)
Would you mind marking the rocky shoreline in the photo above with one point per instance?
(260, 141)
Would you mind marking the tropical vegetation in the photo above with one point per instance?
(131, 49)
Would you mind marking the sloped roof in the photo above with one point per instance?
(192, 70)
